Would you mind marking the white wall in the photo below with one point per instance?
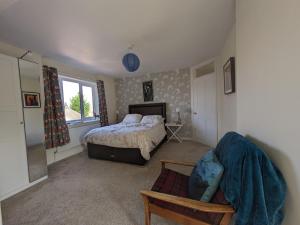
(268, 100)
(227, 109)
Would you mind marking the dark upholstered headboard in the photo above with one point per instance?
(149, 109)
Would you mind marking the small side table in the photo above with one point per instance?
(174, 128)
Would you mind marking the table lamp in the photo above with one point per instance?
(178, 113)
(117, 116)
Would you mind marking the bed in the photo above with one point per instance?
(134, 155)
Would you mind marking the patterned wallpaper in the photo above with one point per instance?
(172, 87)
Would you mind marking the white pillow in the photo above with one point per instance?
(152, 119)
(132, 118)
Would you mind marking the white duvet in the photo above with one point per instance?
(135, 135)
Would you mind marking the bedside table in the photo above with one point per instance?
(174, 128)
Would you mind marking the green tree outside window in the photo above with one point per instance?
(75, 105)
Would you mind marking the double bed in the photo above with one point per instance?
(129, 142)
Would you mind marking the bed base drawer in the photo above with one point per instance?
(129, 155)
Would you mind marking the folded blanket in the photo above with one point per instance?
(251, 182)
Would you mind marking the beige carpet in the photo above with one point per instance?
(81, 191)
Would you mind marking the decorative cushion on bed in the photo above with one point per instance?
(152, 119)
(174, 183)
(205, 178)
(132, 118)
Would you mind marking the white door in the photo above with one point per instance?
(204, 109)
(0, 215)
(13, 160)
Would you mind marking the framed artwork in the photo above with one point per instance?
(148, 91)
(31, 99)
(229, 76)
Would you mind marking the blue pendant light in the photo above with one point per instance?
(131, 61)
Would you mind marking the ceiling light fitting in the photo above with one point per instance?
(131, 61)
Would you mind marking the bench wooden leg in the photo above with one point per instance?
(226, 219)
(147, 211)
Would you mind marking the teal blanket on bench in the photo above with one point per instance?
(251, 182)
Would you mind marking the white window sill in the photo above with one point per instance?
(82, 123)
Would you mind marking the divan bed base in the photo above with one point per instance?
(126, 155)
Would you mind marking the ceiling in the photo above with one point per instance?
(94, 35)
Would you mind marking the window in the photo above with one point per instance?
(79, 99)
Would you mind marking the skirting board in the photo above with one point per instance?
(23, 188)
(187, 138)
(53, 156)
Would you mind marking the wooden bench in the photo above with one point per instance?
(168, 198)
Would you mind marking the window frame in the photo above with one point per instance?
(80, 83)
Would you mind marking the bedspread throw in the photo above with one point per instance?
(121, 135)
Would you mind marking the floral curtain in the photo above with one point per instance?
(102, 104)
(56, 129)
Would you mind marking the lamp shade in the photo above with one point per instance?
(131, 62)
(177, 109)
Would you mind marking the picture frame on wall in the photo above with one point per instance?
(31, 99)
(148, 91)
(229, 76)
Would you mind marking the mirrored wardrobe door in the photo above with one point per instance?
(30, 76)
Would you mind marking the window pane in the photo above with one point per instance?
(88, 106)
(71, 100)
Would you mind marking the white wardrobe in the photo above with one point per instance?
(13, 159)
(14, 175)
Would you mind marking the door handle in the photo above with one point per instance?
(195, 113)
(22, 122)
